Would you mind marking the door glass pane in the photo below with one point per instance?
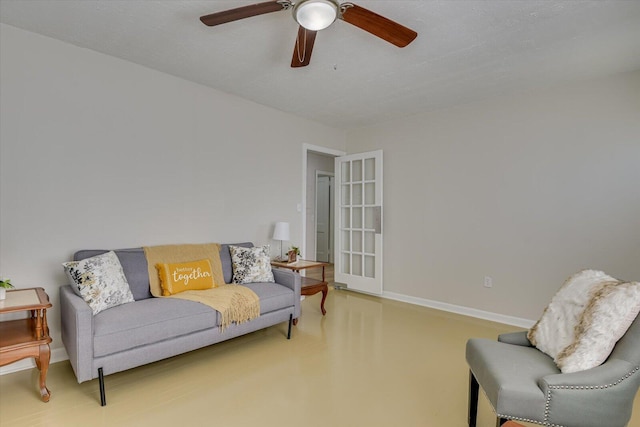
(346, 263)
(370, 169)
(370, 193)
(356, 171)
(369, 218)
(346, 217)
(356, 219)
(346, 194)
(346, 171)
(346, 240)
(356, 241)
(369, 267)
(357, 194)
(356, 266)
(369, 242)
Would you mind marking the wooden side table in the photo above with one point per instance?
(309, 286)
(28, 337)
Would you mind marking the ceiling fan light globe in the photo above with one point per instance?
(315, 15)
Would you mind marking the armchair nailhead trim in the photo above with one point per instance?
(579, 387)
(566, 387)
(526, 420)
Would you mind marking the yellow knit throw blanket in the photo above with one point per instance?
(236, 304)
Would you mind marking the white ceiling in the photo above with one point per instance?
(465, 50)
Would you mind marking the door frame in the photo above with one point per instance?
(306, 148)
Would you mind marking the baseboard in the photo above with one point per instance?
(459, 309)
(57, 355)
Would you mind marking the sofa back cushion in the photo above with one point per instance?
(134, 265)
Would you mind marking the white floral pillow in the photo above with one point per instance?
(251, 265)
(100, 281)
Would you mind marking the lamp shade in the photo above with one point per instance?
(315, 15)
(281, 231)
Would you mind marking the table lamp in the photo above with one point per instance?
(281, 232)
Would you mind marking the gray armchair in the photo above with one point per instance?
(524, 384)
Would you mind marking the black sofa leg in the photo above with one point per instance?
(103, 398)
(500, 421)
(473, 400)
(290, 323)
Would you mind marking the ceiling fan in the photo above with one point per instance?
(316, 15)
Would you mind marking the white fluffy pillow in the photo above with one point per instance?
(604, 321)
(556, 328)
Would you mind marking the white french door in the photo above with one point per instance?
(358, 231)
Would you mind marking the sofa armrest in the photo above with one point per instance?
(588, 393)
(291, 280)
(515, 338)
(77, 333)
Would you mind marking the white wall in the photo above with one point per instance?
(527, 189)
(96, 152)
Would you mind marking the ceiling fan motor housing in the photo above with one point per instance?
(316, 15)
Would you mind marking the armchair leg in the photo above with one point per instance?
(473, 400)
(103, 398)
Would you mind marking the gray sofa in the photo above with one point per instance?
(152, 329)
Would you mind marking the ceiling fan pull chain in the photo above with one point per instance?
(304, 53)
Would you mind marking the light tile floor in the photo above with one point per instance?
(368, 362)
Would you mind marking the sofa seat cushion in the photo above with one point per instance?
(272, 296)
(512, 388)
(149, 321)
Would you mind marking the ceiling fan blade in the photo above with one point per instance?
(379, 26)
(241, 13)
(303, 48)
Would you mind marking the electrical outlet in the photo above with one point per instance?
(488, 282)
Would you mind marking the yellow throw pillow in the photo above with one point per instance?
(185, 276)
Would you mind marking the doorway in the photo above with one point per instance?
(358, 221)
(316, 161)
(318, 165)
(324, 217)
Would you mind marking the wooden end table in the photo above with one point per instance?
(28, 337)
(308, 286)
